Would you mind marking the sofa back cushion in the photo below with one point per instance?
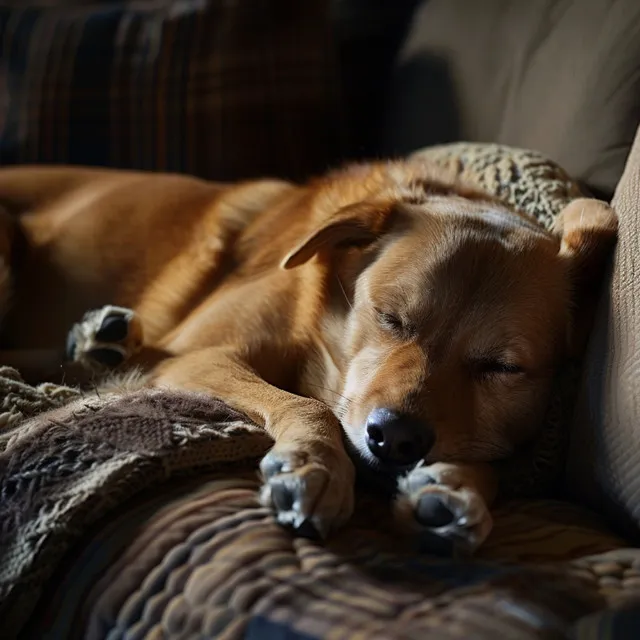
(558, 76)
(219, 89)
(604, 460)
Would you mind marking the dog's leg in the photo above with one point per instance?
(449, 500)
(308, 476)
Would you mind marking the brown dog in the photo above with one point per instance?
(420, 317)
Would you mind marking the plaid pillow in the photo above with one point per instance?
(223, 89)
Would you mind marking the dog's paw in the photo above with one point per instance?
(434, 503)
(105, 338)
(310, 487)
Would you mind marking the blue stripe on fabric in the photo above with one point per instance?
(261, 628)
(457, 574)
(89, 110)
(176, 140)
(449, 573)
(138, 95)
(156, 48)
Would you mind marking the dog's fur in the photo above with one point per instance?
(306, 307)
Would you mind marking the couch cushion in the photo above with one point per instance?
(558, 76)
(212, 88)
(205, 560)
(604, 462)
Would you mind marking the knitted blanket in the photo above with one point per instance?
(63, 468)
(205, 560)
(67, 459)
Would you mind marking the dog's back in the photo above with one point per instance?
(76, 239)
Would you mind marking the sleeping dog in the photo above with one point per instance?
(386, 313)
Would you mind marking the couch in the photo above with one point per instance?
(159, 533)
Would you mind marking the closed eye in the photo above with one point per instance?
(389, 321)
(486, 368)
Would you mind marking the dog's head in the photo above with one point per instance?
(459, 310)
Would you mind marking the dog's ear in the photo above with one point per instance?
(587, 230)
(357, 224)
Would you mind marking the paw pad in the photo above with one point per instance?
(431, 511)
(434, 504)
(114, 328)
(310, 491)
(104, 338)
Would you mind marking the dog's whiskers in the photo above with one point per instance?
(343, 403)
(336, 393)
(344, 293)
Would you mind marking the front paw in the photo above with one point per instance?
(309, 486)
(435, 503)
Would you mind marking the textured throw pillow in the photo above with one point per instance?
(223, 89)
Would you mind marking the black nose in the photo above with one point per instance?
(397, 439)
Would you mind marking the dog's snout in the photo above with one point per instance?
(397, 439)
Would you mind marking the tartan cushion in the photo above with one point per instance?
(216, 88)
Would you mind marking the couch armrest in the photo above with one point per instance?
(603, 468)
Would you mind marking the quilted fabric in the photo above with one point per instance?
(208, 561)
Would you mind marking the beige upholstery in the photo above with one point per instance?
(557, 76)
(604, 462)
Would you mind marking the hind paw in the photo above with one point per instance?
(105, 338)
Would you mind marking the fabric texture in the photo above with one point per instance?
(558, 76)
(604, 455)
(63, 469)
(617, 624)
(203, 559)
(220, 89)
(368, 34)
(209, 561)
